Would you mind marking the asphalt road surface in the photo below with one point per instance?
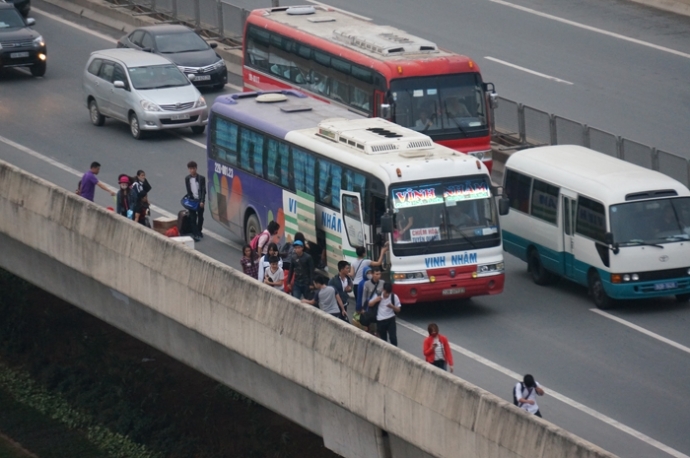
(626, 389)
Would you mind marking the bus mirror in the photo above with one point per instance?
(503, 206)
(386, 223)
(493, 100)
(385, 111)
(608, 238)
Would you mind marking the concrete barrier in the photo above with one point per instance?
(367, 386)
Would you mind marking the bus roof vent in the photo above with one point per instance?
(384, 40)
(300, 10)
(271, 98)
(381, 138)
(319, 19)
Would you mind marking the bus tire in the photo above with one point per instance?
(252, 227)
(540, 275)
(598, 293)
(683, 297)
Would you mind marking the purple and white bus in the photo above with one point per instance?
(332, 174)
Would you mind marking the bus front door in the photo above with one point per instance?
(351, 212)
(569, 203)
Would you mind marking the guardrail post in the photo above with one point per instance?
(655, 159)
(173, 12)
(620, 150)
(522, 132)
(219, 13)
(553, 135)
(197, 15)
(585, 136)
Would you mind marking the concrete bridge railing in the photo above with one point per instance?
(363, 396)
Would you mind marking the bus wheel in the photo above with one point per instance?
(252, 227)
(540, 275)
(598, 293)
(683, 297)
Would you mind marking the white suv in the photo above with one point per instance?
(145, 90)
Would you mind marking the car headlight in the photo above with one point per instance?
(149, 106)
(200, 103)
(38, 41)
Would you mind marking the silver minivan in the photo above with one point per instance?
(145, 90)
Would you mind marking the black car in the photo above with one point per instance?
(20, 45)
(23, 6)
(184, 48)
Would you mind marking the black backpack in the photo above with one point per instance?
(522, 389)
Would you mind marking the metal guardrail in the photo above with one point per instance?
(518, 124)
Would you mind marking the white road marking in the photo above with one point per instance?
(564, 399)
(364, 18)
(236, 88)
(79, 174)
(73, 25)
(514, 375)
(642, 330)
(502, 62)
(593, 29)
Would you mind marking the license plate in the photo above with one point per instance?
(202, 78)
(17, 55)
(667, 285)
(453, 291)
(179, 117)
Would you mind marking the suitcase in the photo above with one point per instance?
(184, 223)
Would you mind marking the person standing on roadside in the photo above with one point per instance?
(361, 262)
(525, 395)
(250, 262)
(388, 306)
(327, 299)
(124, 200)
(301, 272)
(265, 261)
(342, 282)
(437, 349)
(267, 237)
(196, 189)
(89, 181)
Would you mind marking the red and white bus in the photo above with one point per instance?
(374, 70)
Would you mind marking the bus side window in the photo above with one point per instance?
(517, 188)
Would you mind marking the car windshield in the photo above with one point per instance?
(651, 221)
(444, 215)
(10, 18)
(441, 106)
(180, 42)
(157, 77)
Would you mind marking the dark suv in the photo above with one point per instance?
(20, 45)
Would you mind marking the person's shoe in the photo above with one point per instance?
(201, 234)
(195, 238)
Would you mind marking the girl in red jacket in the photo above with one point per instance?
(437, 350)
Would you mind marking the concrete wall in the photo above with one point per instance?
(326, 375)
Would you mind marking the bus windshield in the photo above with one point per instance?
(440, 106)
(444, 215)
(651, 221)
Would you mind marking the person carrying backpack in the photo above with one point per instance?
(525, 395)
(388, 306)
(261, 241)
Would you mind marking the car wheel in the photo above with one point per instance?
(198, 129)
(540, 275)
(683, 297)
(252, 228)
(598, 293)
(96, 117)
(134, 127)
(38, 69)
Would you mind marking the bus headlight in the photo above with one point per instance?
(408, 276)
(490, 269)
(626, 277)
(635, 277)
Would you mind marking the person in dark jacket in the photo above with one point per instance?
(342, 282)
(125, 199)
(301, 272)
(140, 191)
(196, 189)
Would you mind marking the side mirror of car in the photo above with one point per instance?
(119, 84)
(386, 223)
(30, 21)
(213, 45)
(503, 206)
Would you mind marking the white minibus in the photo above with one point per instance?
(618, 228)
